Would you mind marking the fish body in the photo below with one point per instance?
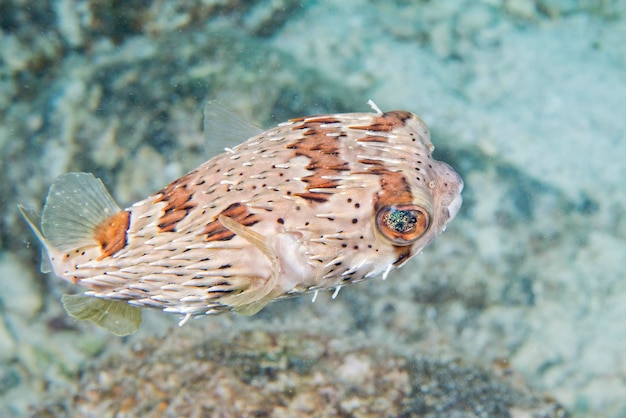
(315, 203)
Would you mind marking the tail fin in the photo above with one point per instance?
(33, 220)
(79, 212)
(76, 208)
(76, 205)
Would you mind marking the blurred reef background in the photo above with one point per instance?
(518, 310)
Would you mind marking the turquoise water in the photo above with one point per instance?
(523, 295)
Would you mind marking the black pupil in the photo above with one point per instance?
(401, 221)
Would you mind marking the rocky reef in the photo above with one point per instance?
(273, 374)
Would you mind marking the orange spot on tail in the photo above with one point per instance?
(111, 233)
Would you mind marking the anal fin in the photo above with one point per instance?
(253, 237)
(115, 316)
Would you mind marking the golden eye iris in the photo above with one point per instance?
(402, 224)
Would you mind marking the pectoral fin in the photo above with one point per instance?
(254, 307)
(116, 316)
(253, 237)
(258, 291)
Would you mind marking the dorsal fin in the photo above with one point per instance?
(76, 205)
(223, 127)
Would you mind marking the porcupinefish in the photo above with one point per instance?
(316, 203)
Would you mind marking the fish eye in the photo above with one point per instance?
(402, 224)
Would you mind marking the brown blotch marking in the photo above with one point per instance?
(394, 190)
(314, 197)
(367, 161)
(394, 187)
(373, 138)
(215, 231)
(403, 253)
(177, 196)
(323, 154)
(111, 233)
(387, 122)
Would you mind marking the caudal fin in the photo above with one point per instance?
(76, 205)
(33, 220)
(78, 212)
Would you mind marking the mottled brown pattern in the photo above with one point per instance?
(376, 165)
(215, 231)
(387, 122)
(324, 157)
(178, 197)
(403, 254)
(316, 197)
(111, 233)
(394, 190)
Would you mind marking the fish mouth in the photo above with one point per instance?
(455, 205)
